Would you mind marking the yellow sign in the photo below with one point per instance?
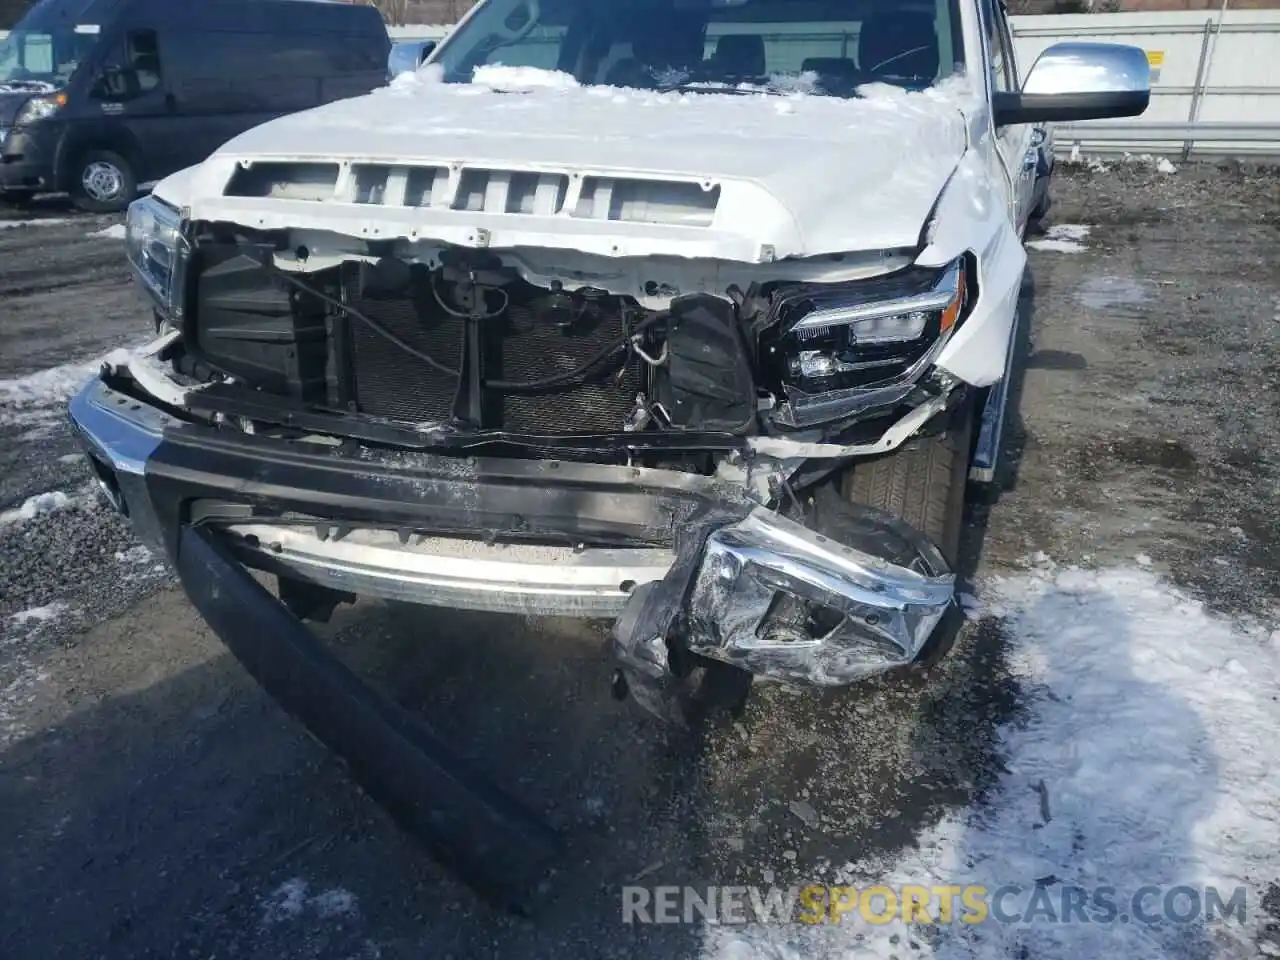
(1155, 58)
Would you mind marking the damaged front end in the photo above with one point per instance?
(547, 432)
(852, 594)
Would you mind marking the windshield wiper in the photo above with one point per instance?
(744, 89)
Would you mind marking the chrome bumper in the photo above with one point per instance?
(451, 572)
(728, 582)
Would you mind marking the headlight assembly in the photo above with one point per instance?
(157, 252)
(832, 343)
(37, 108)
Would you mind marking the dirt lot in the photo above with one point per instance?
(155, 803)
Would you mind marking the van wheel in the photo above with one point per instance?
(103, 182)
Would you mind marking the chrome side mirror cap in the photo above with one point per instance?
(1079, 81)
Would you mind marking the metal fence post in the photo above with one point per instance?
(1198, 89)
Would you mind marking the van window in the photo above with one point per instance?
(130, 69)
(37, 61)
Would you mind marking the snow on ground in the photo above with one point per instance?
(42, 388)
(40, 505)
(289, 901)
(1063, 238)
(39, 615)
(1148, 755)
(114, 232)
(46, 222)
(37, 399)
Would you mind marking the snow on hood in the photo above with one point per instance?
(802, 174)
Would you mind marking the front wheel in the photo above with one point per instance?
(103, 182)
(923, 483)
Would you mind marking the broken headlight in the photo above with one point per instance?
(850, 336)
(157, 251)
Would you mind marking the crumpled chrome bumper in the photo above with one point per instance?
(779, 600)
(746, 587)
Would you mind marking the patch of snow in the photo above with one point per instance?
(29, 399)
(1165, 165)
(971, 605)
(334, 903)
(16, 696)
(38, 615)
(71, 458)
(40, 505)
(286, 901)
(290, 901)
(116, 231)
(1150, 746)
(497, 76)
(135, 554)
(1063, 238)
(46, 222)
(44, 387)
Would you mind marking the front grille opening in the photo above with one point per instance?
(370, 183)
(535, 338)
(284, 181)
(647, 201)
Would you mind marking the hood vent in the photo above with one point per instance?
(477, 190)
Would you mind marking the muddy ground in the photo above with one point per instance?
(155, 803)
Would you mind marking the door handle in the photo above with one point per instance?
(170, 101)
(1031, 159)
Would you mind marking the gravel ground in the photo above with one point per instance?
(156, 803)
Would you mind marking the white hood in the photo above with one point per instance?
(768, 176)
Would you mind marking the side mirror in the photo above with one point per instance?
(1079, 81)
(427, 47)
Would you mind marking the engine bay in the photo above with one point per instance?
(467, 344)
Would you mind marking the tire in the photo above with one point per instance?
(922, 482)
(103, 182)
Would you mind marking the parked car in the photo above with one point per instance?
(704, 356)
(407, 56)
(97, 96)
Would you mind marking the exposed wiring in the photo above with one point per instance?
(372, 324)
(627, 340)
(462, 314)
(582, 370)
(651, 361)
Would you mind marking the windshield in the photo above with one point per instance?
(834, 46)
(34, 61)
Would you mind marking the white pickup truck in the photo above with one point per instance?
(690, 314)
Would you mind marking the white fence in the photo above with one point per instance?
(1215, 78)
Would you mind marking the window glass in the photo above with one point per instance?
(131, 68)
(1002, 75)
(679, 44)
(33, 61)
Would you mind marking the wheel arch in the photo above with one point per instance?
(75, 145)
